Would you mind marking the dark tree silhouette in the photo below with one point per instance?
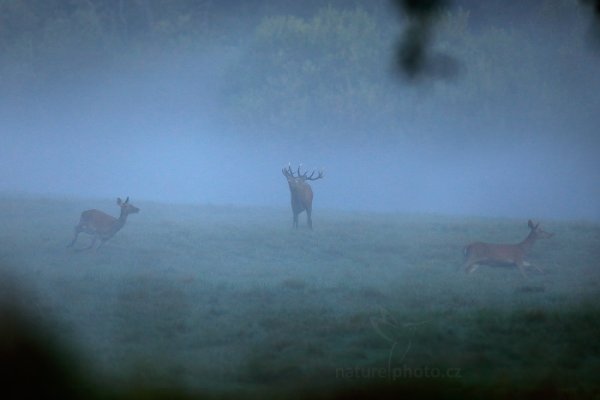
(414, 56)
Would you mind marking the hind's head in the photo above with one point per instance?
(537, 231)
(126, 207)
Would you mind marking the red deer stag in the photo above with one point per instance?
(102, 225)
(302, 195)
(489, 253)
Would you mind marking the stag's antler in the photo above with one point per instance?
(287, 171)
(312, 176)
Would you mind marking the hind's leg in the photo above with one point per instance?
(471, 268)
(520, 265)
(77, 231)
(537, 267)
(93, 243)
(102, 241)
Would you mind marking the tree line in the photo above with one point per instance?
(320, 67)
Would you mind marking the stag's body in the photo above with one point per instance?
(301, 193)
(101, 225)
(302, 197)
(492, 254)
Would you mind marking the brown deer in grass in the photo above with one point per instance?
(492, 254)
(302, 194)
(101, 225)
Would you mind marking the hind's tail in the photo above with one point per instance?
(465, 251)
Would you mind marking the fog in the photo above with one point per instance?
(152, 126)
(443, 129)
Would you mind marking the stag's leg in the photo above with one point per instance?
(309, 217)
(295, 224)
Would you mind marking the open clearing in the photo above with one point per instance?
(217, 299)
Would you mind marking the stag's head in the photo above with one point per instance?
(300, 178)
(126, 207)
(537, 231)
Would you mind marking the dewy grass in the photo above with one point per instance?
(212, 298)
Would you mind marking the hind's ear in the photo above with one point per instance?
(530, 224)
(119, 201)
(127, 200)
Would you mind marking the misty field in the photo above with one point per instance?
(220, 299)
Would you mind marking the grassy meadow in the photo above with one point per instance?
(227, 300)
